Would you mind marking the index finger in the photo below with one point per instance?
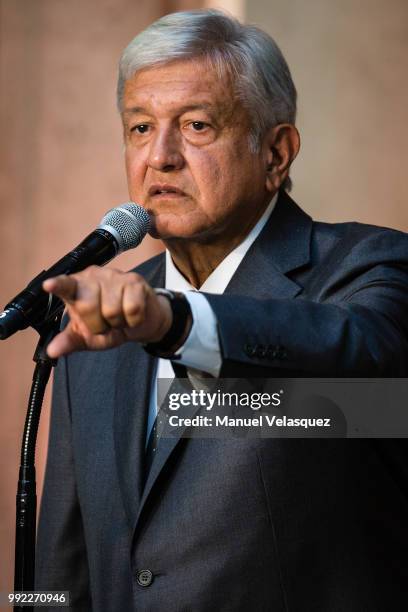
(63, 286)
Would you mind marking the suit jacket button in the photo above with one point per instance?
(144, 578)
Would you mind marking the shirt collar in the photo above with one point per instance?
(221, 276)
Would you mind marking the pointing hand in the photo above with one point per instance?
(106, 308)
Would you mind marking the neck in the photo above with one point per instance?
(197, 259)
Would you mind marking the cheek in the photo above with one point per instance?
(135, 175)
(223, 178)
(211, 172)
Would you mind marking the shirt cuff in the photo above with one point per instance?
(201, 349)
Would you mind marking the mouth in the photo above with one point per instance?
(165, 191)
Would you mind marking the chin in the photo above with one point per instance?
(169, 234)
(173, 228)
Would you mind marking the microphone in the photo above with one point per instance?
(122, 228)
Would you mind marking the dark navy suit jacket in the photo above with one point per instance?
(236, 525)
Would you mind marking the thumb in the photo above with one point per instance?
(66, 342)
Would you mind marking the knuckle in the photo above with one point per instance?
(135, 311)
(110, 312)
(133, 308)
(111, 272)
(134, 277)
(86, 308)
(90, 270)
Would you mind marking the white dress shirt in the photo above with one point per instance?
(201, 350)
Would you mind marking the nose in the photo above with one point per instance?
(165, 152)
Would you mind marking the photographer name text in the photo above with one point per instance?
(260, 420)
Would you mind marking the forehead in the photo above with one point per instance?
(177, 85)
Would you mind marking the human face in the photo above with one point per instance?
(187, 153)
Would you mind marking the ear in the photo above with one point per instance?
(282, 143)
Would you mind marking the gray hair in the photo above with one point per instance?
(250, 57)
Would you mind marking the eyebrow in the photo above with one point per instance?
(184, 109)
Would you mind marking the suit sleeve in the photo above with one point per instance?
(61, 559)
(356, 325)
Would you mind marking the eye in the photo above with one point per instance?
(198, 126)
(140, 129)
(199, 133)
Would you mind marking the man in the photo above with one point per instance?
(231, 525)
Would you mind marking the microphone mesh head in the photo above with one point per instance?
(128, 222)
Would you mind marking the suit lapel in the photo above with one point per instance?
(282, 246)
(134, 373)
(165, 448)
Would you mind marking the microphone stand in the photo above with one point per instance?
(26, 500)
